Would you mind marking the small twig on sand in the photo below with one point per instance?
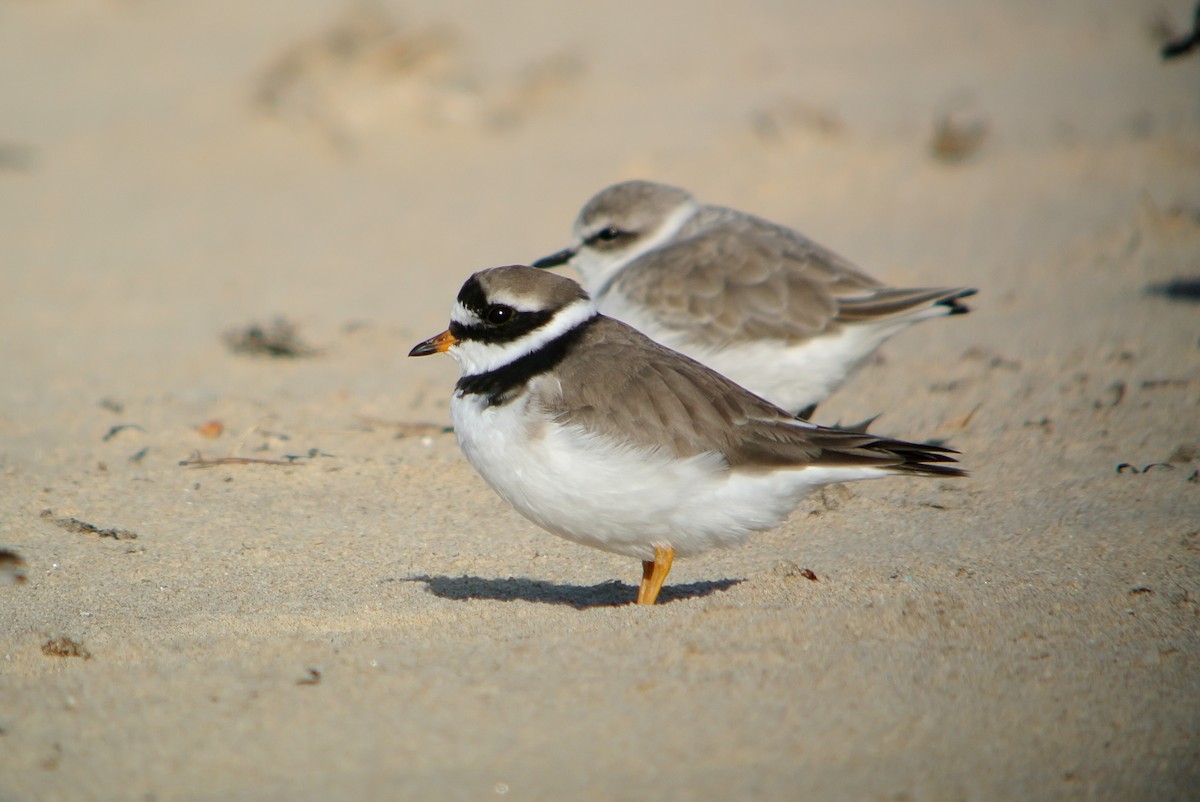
(198, 461)
(84, 528)
(403, 429)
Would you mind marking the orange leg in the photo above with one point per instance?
(654, 573)
(647, 573)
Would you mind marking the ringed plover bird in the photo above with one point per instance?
(599, 434)
(753, 300)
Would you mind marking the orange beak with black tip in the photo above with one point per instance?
(434, 345)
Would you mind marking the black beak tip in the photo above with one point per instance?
(421, 349)
(554, 259)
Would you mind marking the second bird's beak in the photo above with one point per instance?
(434, 345)
(556, 259)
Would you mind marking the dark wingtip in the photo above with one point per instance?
(924, 463)
(928, 459)
(862, 426)
(555, 259)
(1184, 44)
(1177, 289)
(953, 302)
(941, 470)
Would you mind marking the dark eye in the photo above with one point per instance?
(499, 314)
(608, 234)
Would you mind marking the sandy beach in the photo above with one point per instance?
(226, 574)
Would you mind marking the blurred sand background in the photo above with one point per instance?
(369, 621)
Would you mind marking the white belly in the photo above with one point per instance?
(623, 499)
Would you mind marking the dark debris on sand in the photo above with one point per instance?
(278, 339)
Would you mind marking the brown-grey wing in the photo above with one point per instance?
(624, 387)
(743, 278)
(628, 388)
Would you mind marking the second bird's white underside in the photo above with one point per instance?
(622, 498)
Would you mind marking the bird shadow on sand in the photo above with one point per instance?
(606, 594)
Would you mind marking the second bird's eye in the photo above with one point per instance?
(608, 234)
(499, 314)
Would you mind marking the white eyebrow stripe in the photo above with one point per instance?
(464, 316)
(475, 357)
